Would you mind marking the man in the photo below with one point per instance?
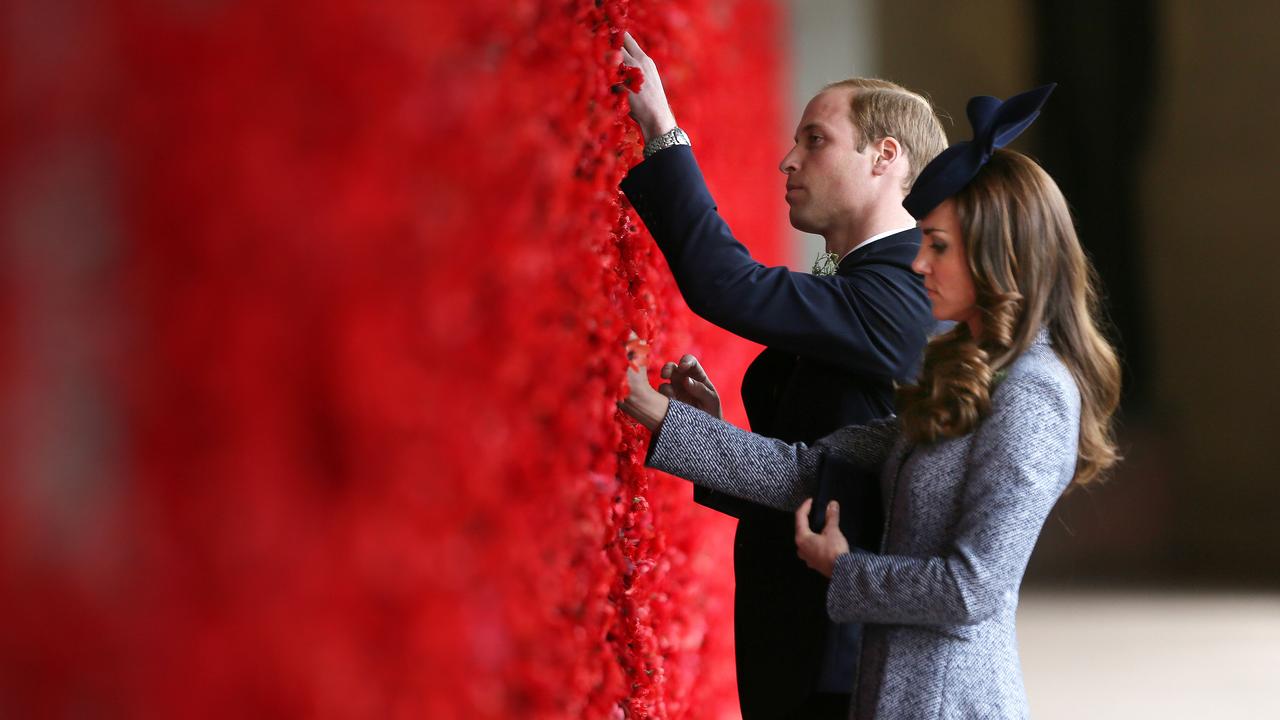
(835, 343)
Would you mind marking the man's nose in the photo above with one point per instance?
(788, 164)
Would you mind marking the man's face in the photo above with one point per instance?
(827, 178)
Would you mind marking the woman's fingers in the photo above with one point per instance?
(637, 351)
(689, 384)
(806, 540)
(694, 368)
(690, 366)
(699, 391)
(820, 551)
(802, 521)
(690, 369)
(637, 376)
(833, 518)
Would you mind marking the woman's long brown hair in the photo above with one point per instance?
(1029, 272)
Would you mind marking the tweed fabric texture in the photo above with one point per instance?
(963, 516)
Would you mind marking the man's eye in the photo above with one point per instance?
(815, 139)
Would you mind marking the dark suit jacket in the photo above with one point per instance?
(834, 347)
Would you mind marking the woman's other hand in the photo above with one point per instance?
(819, 551)
(646, 405)
(691, 386)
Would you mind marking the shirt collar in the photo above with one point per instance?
(873, 238)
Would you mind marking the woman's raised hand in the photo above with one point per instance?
(691, 386)
(646, 405)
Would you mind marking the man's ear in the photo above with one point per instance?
(889, 154)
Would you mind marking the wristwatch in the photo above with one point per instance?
(674, 136)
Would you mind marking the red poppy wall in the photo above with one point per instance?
(314, 317)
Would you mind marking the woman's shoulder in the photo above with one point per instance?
(1032, 433)
(1038, 377)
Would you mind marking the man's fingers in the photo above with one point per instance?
(630, 45)
(666, 389)
(802, 520)
(667, 369)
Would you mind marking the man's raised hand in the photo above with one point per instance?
(649, 107)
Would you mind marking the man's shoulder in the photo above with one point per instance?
(889, 268)
(904, 244)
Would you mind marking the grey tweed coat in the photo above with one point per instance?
(962, 518)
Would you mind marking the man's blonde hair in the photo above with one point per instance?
(881, 109)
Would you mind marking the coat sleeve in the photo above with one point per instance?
(871, 322)
(712, 453)
(1023, 457)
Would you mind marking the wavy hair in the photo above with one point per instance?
(1029, 272)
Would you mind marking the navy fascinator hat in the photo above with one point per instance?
(995, 124)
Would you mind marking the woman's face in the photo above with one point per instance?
(943, 261)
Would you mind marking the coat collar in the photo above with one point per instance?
(900, 247)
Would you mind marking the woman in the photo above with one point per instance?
(1013, 407)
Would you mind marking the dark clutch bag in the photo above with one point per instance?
(858, 492)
